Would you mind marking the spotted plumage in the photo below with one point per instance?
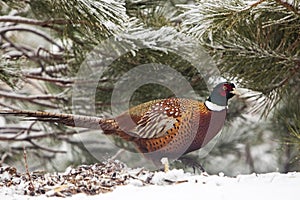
(159, 128)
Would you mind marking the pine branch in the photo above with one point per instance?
(33, 99)
(4, 30)
(58, 81)
(288, 6)
(97, 18)
(256, 44)
(256, 3)
(43, 23)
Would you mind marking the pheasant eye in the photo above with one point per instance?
(224, 87)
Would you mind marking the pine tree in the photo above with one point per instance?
(256, 44)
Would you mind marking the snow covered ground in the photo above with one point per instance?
(266, 186)
(176, 184)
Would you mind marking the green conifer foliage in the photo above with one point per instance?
(254, 43)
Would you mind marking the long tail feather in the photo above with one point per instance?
(66, 119)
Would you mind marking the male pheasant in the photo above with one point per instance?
(159, 128)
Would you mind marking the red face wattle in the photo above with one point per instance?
(221, 93)
(226, 89)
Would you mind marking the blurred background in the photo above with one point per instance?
(256, 44)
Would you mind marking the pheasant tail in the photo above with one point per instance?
(66, 119)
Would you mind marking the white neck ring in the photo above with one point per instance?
(214, 107)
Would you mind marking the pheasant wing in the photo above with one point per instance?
(160, 117)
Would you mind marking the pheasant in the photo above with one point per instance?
(164, 128)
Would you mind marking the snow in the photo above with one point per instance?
(176, 184)
(215, 187)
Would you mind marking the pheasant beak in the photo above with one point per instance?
(234, 91)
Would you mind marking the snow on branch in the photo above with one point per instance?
(255, 41)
